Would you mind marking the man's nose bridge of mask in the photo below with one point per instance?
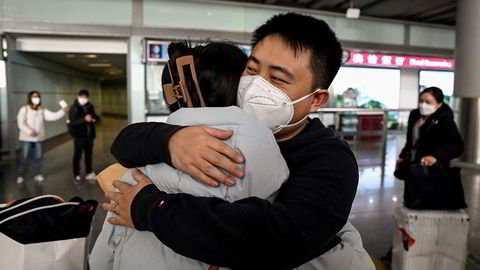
(176, 92)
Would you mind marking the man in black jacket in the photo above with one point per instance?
(297, 63)
(82, 119)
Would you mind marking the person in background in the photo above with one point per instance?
(82, 120)
(432, 137)
(31, 123)
(433, 123)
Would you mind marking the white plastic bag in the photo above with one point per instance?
(54, 255)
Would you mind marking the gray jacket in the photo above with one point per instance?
(122, 248)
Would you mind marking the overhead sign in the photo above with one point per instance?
(398, 61)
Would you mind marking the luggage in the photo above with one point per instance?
(45, 232)
(425, 240)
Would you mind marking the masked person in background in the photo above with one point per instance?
(432, 135)
(31, 123)
(82, 120)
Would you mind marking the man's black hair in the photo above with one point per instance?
(83, 92)
(219, 66)
(436, 92)
(300, 33)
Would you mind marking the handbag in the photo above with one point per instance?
(434, 188)
(402, 168)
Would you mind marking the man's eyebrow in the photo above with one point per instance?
(252, 58)
(283, 70)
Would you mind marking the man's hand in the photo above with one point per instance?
(33, 133)
(428, 161)
(88, 118)
(121, 202)
(198, 151)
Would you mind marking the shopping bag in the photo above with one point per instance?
(54, 255)
(45, 232)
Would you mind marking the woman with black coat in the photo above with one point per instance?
(432, 135)
(433, 141)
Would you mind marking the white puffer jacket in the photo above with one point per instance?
(30, 120)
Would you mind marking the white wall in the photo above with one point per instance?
(114, 12)
(408, 88)
(216, 18)
(237, 18)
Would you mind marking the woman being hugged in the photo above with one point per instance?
(31, 123)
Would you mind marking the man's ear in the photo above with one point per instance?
(319, 98)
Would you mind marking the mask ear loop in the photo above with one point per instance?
(181, 62)
(280, 127)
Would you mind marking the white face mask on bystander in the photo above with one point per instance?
(35, 100)
(82, 101)
(426, 109)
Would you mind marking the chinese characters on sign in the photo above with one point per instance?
(399, 61)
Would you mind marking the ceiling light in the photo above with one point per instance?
(91, 56)
(99, 65)
(352, 13)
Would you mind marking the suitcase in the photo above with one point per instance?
(425, 239)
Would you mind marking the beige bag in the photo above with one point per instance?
(106, 177)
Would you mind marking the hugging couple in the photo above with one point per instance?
(258, 186)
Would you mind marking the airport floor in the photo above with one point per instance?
(372, 211)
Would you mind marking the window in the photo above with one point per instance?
(356, 87)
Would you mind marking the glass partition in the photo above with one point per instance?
(368, 88)
(440, 79)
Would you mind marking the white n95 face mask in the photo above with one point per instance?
(426, 109)
(268, 104)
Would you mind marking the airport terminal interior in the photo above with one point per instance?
(117, 50)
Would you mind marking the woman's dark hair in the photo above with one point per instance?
(219, 66)
(30, 95)
(302, 32)
(436, 92)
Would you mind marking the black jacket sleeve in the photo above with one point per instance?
(141, 144)
(453, 144)
(94, 114)
(252, 233)
(412, 117)
(75, 117)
